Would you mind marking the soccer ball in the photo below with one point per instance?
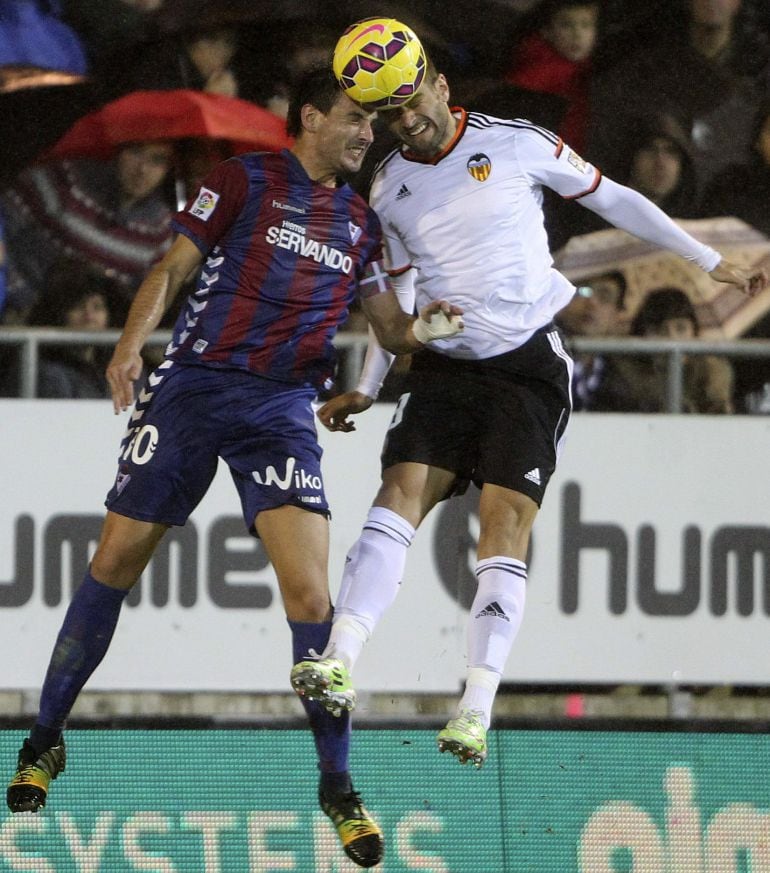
(379, 63)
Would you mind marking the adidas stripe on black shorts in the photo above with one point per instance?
(499, 420)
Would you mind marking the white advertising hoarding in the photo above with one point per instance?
(650, 562)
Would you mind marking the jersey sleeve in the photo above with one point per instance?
(547, 160)
(209, 214)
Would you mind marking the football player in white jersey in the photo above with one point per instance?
(460, 203)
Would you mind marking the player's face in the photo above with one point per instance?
(424, 124)
(343, 136)
(572, 31)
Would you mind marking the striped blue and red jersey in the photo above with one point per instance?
(284, 257)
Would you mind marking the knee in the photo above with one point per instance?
(309, 603)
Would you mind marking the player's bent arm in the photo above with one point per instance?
(156, 293)
(400, 333)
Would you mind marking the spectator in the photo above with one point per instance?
(596, 310)
(111, 215)
(744, 191)
(79, 300)
(706, 66)
(110, 28)
(662, 167)
(640, 383)
(557, 60)
(33, 38)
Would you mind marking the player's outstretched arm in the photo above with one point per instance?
(750, 280)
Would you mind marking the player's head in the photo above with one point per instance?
(332, 132)
(424, 123)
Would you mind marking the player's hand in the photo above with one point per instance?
(122, 371)
(750, 281)
(437, 320)
(334, 413)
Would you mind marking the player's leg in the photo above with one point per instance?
(506, 519)
(374, 566)
(124, 549)
(157, 485)
(528, 407)
(297, 543)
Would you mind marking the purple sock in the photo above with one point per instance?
(331, 733)
(83, 640)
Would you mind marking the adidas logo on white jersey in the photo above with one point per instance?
(534, 476)
(403, 191)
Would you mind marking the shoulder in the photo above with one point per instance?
(519, 129)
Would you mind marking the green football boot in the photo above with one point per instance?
(326, 681)
(465, 737)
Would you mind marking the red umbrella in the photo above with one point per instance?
(179, 114)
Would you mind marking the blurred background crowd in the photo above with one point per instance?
(115, 110)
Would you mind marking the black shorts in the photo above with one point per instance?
(499, 420)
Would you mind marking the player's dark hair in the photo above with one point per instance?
(319, 88)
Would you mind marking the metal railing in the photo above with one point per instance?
(30, 341)
(676, 351)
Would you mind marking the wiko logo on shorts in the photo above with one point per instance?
(299, 478)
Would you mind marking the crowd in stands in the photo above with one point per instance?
(671, 97)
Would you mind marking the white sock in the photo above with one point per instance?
(374, 568)
(494, 621)
(479, 695)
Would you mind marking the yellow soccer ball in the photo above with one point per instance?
(379, 63)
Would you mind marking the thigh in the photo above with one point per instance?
(505, 520)
(412, 490)
(274, 455)
(435, 422)
(168, 455)
(297, 543)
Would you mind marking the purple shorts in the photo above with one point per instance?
(186, 418)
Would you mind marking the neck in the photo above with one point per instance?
(315, 169)
(710, 40)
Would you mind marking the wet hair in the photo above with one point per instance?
(317, 87)
(660, 305)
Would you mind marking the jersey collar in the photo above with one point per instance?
(462, 123)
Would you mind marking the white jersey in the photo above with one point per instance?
(470, 222)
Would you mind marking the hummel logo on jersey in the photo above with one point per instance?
(534, 476)
(403, 191)
(493, 610)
